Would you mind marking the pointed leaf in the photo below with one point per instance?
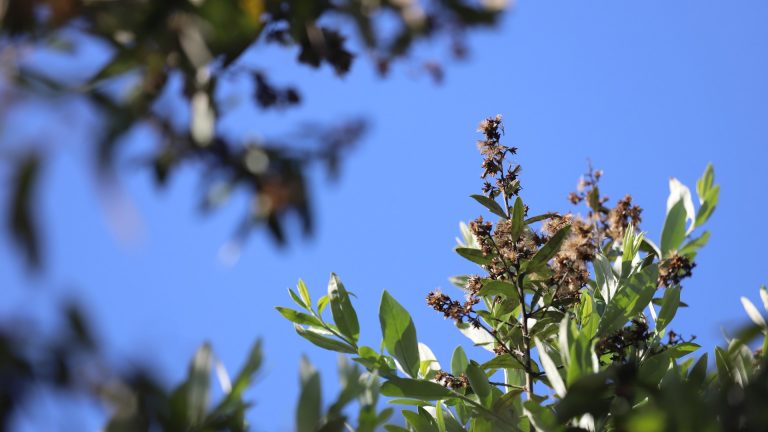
(474, 255)
(399, 334)
(344, 314)
(414, 388)
(490, 204)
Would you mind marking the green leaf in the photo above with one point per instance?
(344, 314)
(399, 334)
(479, 383)
(669, 305)
(724, 369)
(673, 234)
(198, 384)
(589, 316)
(490, 204)
(299, 317)
(690, 248)
(553, 375)
(324, 341)
(698, 373)
(540, 217)
(308, 411)
(548, 251)
(506, 361)
(497, 287)
(682, 349)
(410, 402)
(322, 302)
(629, 300)
(474, 255)
(518, 213)
(304, 292)
(296, 299)
(705, 183)
(421, 421)
(708, 206)
(541, 417)
(459, 361)
(414, 388)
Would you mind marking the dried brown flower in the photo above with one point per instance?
(674, 269)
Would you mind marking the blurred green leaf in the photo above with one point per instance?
(414, 388)
(474, 255)
(308, 411)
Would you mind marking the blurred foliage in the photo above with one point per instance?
(71, 361)
(575, 313)
(199, 42)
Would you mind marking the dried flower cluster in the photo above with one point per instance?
(453, 309)
(674, 269)
(618, 344)
(614, 222)
(450, 381)
(569, 267)
(507, 183)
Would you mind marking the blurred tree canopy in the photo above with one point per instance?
(185, 49)
(199, 43)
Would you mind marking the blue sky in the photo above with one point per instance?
(646, 90)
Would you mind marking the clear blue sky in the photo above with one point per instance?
(647, 90)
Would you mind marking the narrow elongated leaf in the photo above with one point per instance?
(479, 383)
(553, 376)
(679, 192)
(399, 334)
(705, 183)
(518, 213)
(414, 388)
(629, 300)
(298, 317)
(549, 250)
(459, 361)
(474, 255)
(308, 411)
(304, 292)
(698, 372)
(708, 206)
(753, 313)
(344, 314)
(673, 234)
(198, 384)
(324, 341)
(490, 204)
(690, 248)
(669, 305)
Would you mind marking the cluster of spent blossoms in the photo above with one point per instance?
(451, 381)
(494, 153)
(674, 269)
(635, 335)
(454, 309)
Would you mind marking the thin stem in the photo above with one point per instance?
(526, 339)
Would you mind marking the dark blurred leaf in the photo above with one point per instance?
(22, 221)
